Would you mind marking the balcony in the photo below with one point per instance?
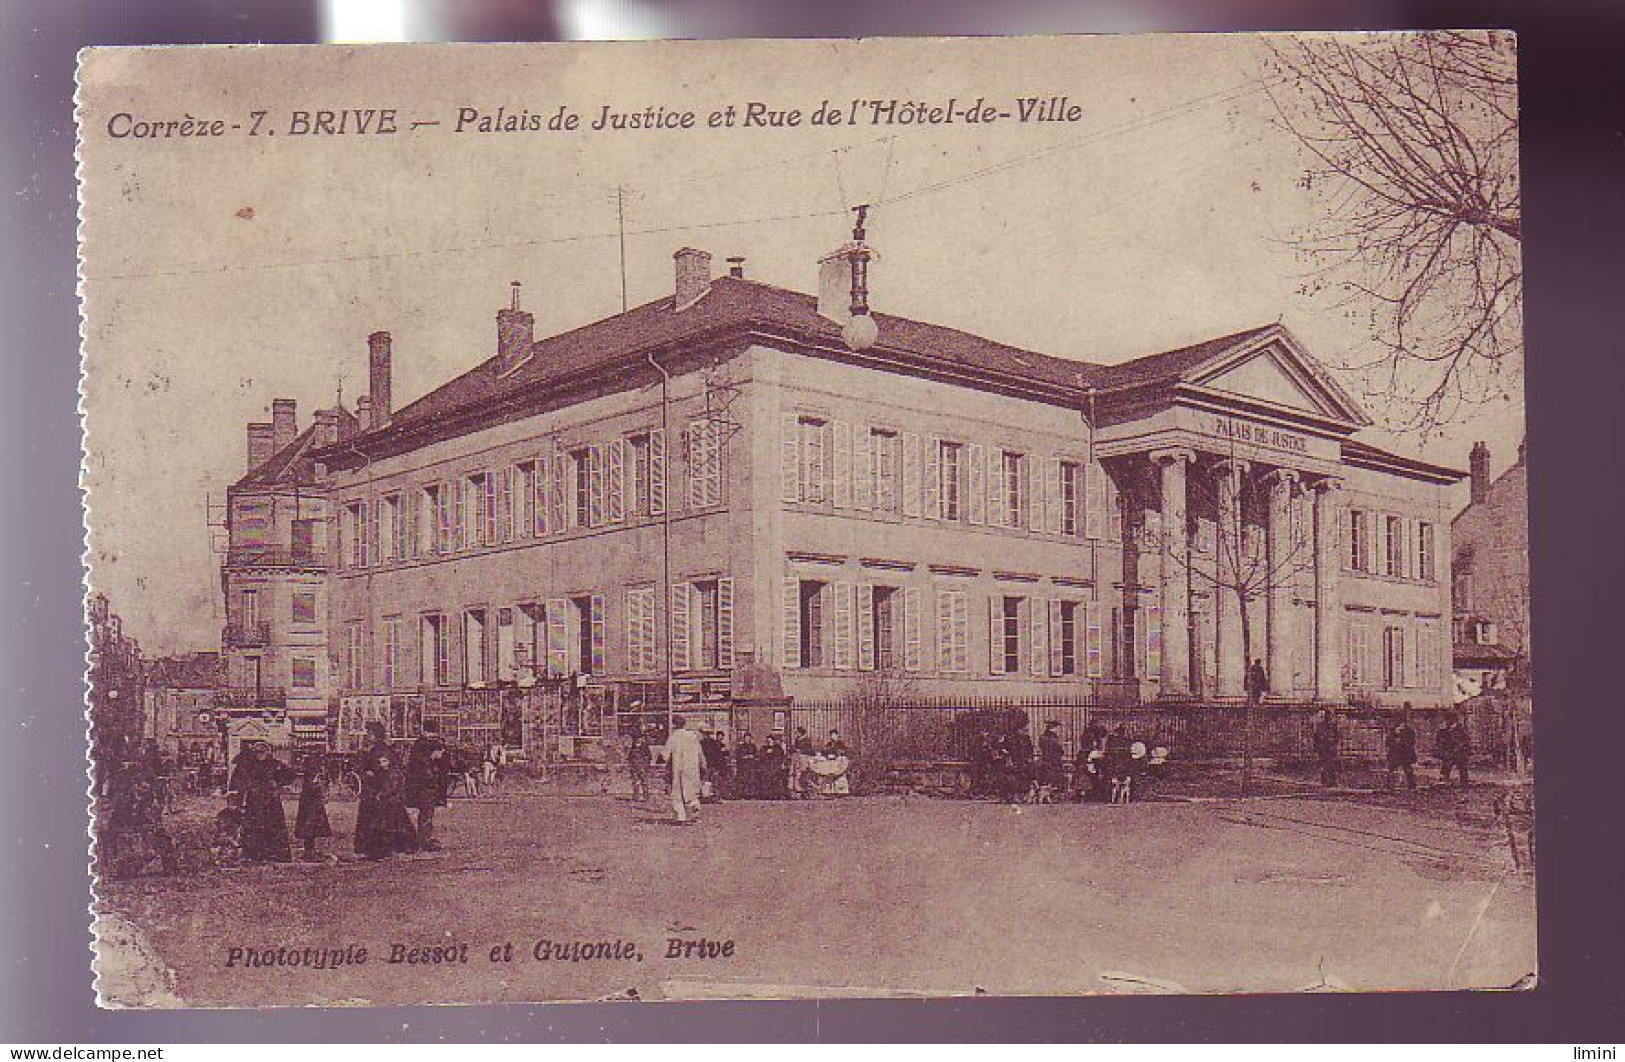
(246, 635)
(276, 557)
(267, 697)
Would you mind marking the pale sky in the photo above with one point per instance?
(220, 274)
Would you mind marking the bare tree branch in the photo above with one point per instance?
(1413, 147)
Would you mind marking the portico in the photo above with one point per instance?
(1232, 477)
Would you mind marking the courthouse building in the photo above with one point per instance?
(737, 481)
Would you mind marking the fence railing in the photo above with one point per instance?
(943, 731)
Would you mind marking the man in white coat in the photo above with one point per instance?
(682, 751)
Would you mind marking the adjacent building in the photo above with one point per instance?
(1490, 580)
(735, 494)
(182, 711)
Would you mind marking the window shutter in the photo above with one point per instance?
(634, 631)
(790, 459)
(792, 622)
(866, 627)
(1093, 651)
(911, 474)
(961, 631)
(1032, 491)
(913, 653)
(1052, 496)
(1094, 499)
(725, 624)
(843, 465)
(843, 626)
(442, 651)
(504, 503)
(681, 630)
(1375, 533)
(933, 478)
(976, 491)
(822, 465)
(541, 498)
(863, 469)
(409, 523)
(945, 631)
(558, 637)
(446, 517)
(995, 635)
(598, 633)
(615, 485)
(1408, 668)
(657, 471)
(595, 486)
(1038, 643)
(998, 504)
(369, 541)
(1153, 639)
(1056, 642)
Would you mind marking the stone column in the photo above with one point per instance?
(1328, 591)
(1228, 562)
(1175, 564)
(1284, 561)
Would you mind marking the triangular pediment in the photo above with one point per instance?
(1265, 378)
(1274, 370)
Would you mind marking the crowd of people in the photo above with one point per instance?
(1107, 766)
(702, 768)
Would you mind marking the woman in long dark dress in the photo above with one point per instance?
(771, 769)
(258, 782)
(310, 823)
(382, 825)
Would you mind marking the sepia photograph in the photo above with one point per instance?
(913, 517)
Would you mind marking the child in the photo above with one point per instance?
(310, 823)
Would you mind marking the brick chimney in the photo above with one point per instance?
(261, 444)
(1478, 467)
(327, 427)
(284, 421)
(378, 378)
(516, 332)
(693, 274)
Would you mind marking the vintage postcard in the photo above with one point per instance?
(898, 517)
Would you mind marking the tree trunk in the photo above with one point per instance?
(1247, 709)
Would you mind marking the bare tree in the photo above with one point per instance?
(1414, 139)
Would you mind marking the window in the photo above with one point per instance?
(1007, 647)
(249, 604)
(1015, 489)
(392, 652)
(390, 528)
(506, 666)
(304, 607)
(813, 467)
(303, 534)
(1071, 496)
(433, 658)
(474, 649)
(1424, 552)
(1393, 658)
(524, 515)
(576, 636)
(355, 666)
(478, 524)
(884, 645)
(637, 475)
(887, 454)
(1393, 546)
(951, 464)
(1066, 652)
(812, 623)
(354, 529)
(581, 470)
(433, 520)
(1359, 542)
(304, 673)
(1127, 640)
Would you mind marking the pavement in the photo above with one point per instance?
(883, 895)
